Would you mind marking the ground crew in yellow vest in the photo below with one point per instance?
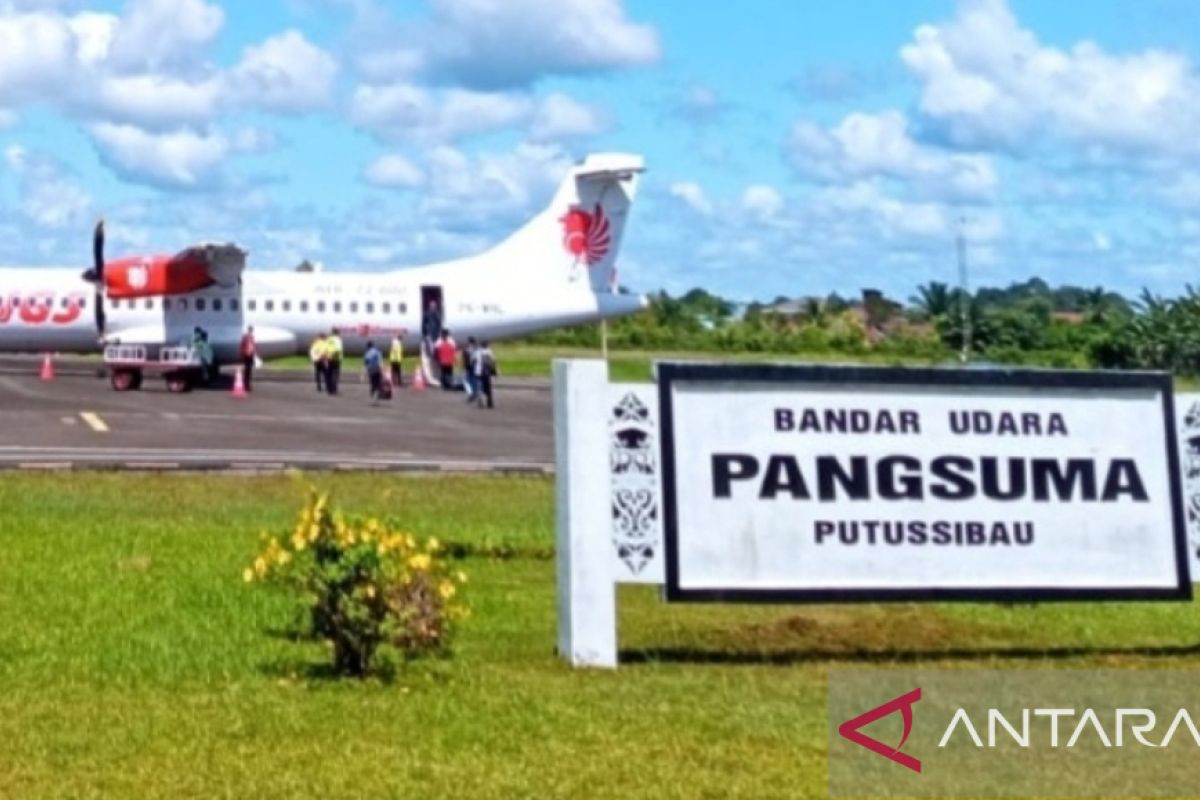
(396, 361)
(320, 361)
(333, 351)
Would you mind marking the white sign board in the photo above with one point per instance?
(851, 483)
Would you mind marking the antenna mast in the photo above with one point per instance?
(964, 296)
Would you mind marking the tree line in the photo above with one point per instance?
(1027, 323)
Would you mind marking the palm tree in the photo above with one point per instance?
(933, 300)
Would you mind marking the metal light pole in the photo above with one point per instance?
(964, 296)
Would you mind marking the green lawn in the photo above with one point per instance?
(523, 360)
(134, 663)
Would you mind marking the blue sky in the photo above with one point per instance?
(794, 147)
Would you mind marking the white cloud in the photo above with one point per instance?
(493, 44)
(180, 159)
(394, 172)
(693, 196)
(762, 200)
(406, 112)
(156, 101)
(559, 116)
(286, 73)
(156, 35)
(866, 145)
(48, 196)
(987, 81)
(469, 191)
(700, 104)
(891, 217)
(37, 49)
(147, 74)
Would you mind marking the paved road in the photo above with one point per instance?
(78, 421)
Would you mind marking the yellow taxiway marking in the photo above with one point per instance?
(94, 422)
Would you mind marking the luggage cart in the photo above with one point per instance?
(127, 363)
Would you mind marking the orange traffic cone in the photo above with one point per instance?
(239, 385)
(47, 368)
(418, 381)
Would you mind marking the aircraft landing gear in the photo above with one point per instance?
(126, 380)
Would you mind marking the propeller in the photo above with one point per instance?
(97, 275)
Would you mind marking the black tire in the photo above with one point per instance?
(178, 382)
(125, 380)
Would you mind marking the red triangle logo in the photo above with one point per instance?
(904, 705)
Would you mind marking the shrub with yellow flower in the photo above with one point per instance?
(367, 585)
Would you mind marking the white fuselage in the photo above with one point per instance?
(52, 310)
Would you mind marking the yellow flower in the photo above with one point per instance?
(421, 561)
(283, 557)
(461, 576)
(248, 575)
(446, 590)
(260, 566)
(370, 591)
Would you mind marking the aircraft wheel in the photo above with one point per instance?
(178, 383)
(126, 380)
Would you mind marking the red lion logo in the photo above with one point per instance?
(586, 236)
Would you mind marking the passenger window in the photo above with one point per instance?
(200, 304)
(337, 308)
(149, 303)
(304, 306)
(386, 308)
(233, 305)
(166, 304)
(183, 304)
(370, 308)
(287, 305)
(251, 305)
(217, 304)
(82, 302)
(403, 308)
(321, 307)
(269, 305)
(354, 308)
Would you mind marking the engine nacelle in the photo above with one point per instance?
(156, 276)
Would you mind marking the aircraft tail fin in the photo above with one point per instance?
(578, 237)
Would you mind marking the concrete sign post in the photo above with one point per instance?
(587, 622)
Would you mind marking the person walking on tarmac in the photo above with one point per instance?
(333, 355)
(446, 352)
(396, 360)
(248, 351)
(470, 384)
(320, 361)
(373, 363)
(484, 367)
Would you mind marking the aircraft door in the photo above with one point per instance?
(433, 312)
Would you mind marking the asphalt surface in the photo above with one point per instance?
(78, 422)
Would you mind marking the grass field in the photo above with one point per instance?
(134, 663)
(527, 361)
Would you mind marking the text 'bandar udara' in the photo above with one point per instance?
(827, 478)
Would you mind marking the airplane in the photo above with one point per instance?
(557, 270)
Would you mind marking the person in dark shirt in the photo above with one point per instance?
(431, 326)
(373, 363)
(249, 351)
